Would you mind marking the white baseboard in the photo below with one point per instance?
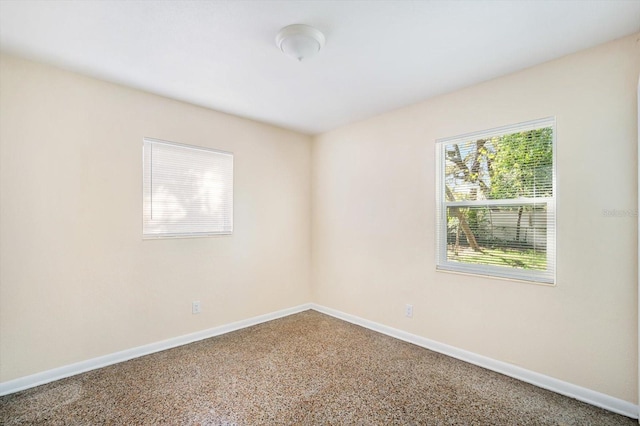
(564, 388)
(580, 393)
(38, 379)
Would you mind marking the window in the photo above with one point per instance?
(187, 190)
(496, 202)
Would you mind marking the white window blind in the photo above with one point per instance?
(188, 190)
(496, 202)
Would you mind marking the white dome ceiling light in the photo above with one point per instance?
(300, 41)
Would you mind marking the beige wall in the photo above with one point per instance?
(354, 209)
(76, 279)
(373, 233)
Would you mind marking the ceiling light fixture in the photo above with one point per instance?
(300, 41)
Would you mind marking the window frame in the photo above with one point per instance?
(174, 235)
(547, 277)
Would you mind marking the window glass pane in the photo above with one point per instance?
(515, 165)
(511, 236)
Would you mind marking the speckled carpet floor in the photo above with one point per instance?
(305, 369)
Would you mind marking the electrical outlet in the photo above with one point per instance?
(408, 310)
(195, 307)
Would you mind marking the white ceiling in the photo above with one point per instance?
(379, 55)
